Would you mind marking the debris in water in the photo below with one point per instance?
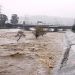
(16, 54)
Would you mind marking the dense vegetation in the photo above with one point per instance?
(39, 31)
(4, 21)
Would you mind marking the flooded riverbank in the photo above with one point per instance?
(68, 64)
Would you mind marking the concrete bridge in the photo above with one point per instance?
(53, 28)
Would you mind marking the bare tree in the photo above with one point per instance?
(20, 34)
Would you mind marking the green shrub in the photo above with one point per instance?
(39, 31)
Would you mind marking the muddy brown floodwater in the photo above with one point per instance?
(29, 56)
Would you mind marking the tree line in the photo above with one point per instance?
(3, 20)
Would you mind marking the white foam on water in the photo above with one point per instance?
(9, 30)
(6, 41)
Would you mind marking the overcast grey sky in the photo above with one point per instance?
(60, 8)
